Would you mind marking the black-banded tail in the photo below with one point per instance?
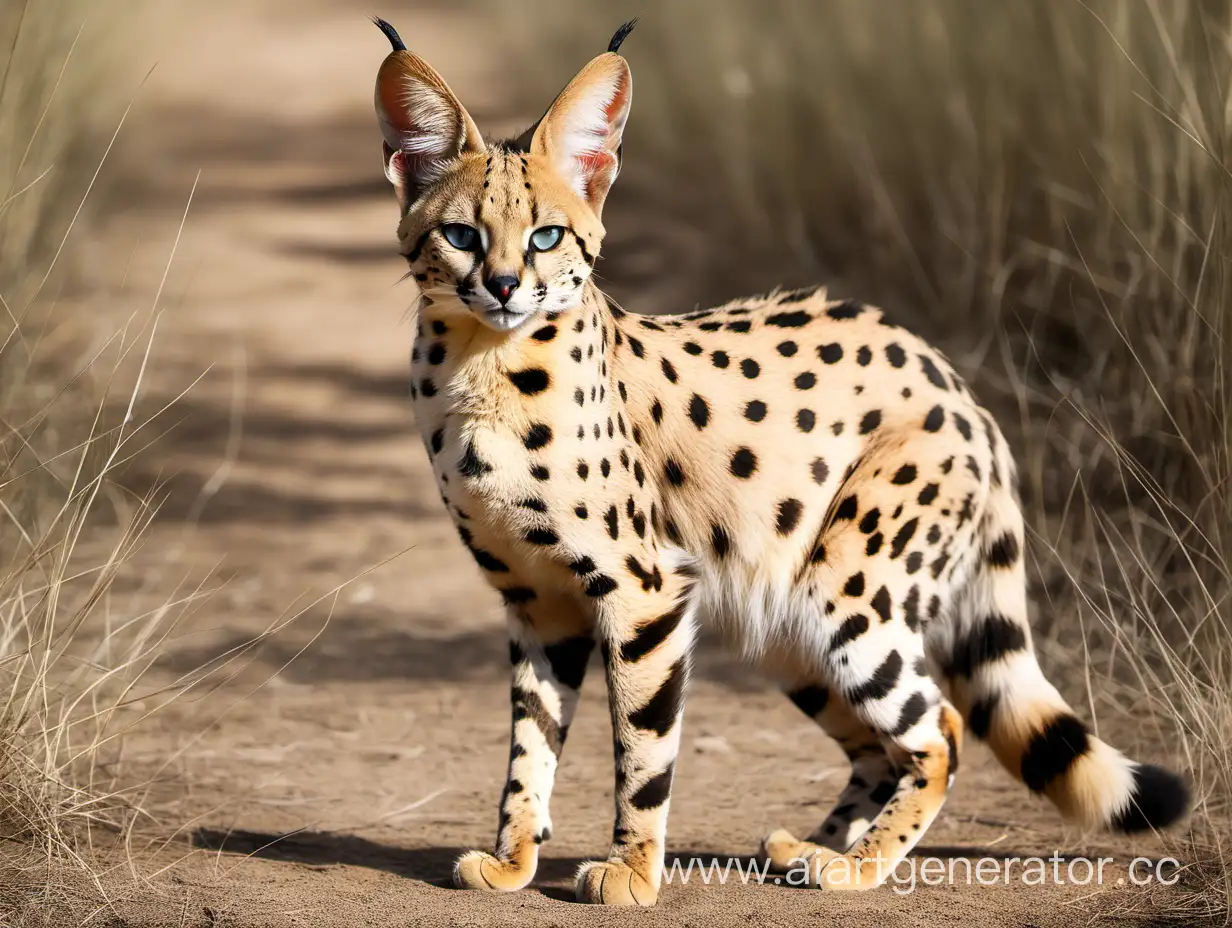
(998, 686)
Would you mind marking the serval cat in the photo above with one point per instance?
(815, 481)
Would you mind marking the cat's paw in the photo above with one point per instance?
(613, 882)
(480, 870)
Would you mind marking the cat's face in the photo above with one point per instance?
(505, 230)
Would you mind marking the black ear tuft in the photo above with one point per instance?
(621, 34)
(396, 40)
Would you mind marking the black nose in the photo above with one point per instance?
(501, 287)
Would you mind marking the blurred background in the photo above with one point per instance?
(230, 606)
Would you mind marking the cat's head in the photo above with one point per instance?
(510, 229)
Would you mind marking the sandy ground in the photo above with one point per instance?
(380, 749)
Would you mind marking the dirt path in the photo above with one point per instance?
(383, 745)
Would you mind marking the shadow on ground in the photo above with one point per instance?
(434, 865)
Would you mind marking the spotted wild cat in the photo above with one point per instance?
(815, 481)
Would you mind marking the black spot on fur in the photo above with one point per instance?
(903, 536)
(852, 628)
(1051, 752)
(655, 791)
(699, 411)
(661, 711)
(904, 475)
(932, 373)
(743, 463)
(881, 604)
(668, 371)
(750, 368)
(537, 436)
(720, 359)
(489, 562)
(806, 420)
(990, 640)
(542, 536)
(649, 579)
(568, 659)
(600, 585)
(582, 566)
(805, 381)
(719, 540)
(854, 585)
(1003, 552)
(880, 684)
(673, 472)
(870, 520)
(820, 470)
(911, 608)
(964, 427)
(544, 334)
(847, 509)
(471, 465)
(871, 420)
(934, 420)
(755, 411)
(530, 381)
(913, 710)
(928, 494)
(790, 320)
(612, 518)
(652, 634)
(788, 516)
(845, 310)
(787, 349)
(638, 348)
(831, 353)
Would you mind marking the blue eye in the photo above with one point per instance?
(547, 238)
(461, 236)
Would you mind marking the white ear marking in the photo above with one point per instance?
(581, 131)
(436, 124)
(584, 131)
(423, 125)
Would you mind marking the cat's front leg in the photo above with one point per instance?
(549, 646)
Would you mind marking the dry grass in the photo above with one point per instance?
(1045, 186)
(70, 662)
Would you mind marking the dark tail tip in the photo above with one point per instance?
(621, 34)
(1159, 799)
(390, 33)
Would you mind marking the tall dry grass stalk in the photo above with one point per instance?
(1040, 185)
(71, 662)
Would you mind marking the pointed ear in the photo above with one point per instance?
(580, 134)
(423, 125)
